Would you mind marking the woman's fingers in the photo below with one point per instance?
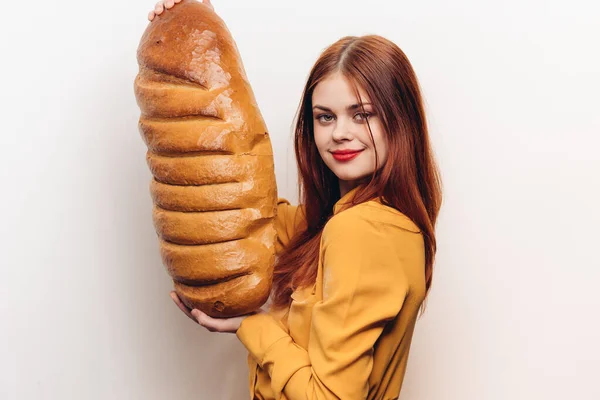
(221, 325)
(182, 306)
(161, 6)
(204, 320)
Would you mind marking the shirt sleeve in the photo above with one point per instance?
(288, 220)
(364, 287)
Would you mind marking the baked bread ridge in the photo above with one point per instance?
(210, 155)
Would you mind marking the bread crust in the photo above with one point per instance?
(210, 155)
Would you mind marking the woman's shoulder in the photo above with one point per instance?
(372, 215)
(390, 238)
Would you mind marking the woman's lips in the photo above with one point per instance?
(345, 156)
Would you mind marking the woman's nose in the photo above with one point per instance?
(342, 131)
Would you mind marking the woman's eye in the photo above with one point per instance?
(363, 116)
(325, 118)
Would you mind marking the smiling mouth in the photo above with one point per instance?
(346, 156)
(344, 152)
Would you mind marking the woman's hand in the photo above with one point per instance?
(167, 4)
(222, 325)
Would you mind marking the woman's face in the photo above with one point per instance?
(340, 124)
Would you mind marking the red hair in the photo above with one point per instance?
(408, 181)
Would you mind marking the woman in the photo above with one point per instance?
(355, 259)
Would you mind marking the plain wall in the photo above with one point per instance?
(511, 91)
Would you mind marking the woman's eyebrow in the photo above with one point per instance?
(349, 108)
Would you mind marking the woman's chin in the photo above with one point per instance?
(349, 176)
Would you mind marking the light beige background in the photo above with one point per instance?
(512, 95)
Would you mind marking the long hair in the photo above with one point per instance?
(408, 181)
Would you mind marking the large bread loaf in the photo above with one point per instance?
(213, 186)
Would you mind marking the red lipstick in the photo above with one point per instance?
(345, 155)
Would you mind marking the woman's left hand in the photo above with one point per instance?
(222, 325)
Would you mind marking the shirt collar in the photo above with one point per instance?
(345, 200)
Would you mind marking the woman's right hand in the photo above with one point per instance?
(167, 4)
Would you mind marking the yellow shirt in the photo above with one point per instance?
(348, 336)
